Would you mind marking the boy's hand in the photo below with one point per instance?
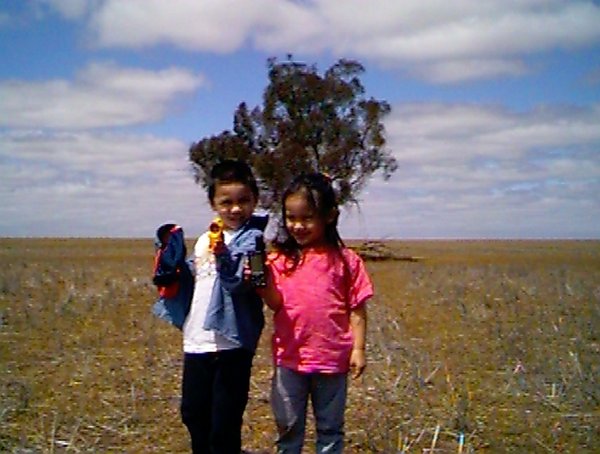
(219, 248)
(358, 362)
(247, 271)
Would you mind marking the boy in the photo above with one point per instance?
(225, 321)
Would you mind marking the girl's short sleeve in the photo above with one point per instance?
(361, 287)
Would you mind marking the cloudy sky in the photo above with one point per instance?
(495, 117)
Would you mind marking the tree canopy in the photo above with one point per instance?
(308, 122)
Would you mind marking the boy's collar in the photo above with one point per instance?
(256, 221)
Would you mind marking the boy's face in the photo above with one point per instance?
(234, 203)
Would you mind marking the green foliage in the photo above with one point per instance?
(308, 122)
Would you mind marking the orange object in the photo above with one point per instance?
(215, 233)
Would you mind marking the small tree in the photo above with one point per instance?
(307, 123)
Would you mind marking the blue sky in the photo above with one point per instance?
(495, 117)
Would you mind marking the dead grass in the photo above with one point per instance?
(495, 343)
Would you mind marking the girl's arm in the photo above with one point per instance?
(358, 323)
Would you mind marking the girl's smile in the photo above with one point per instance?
(303, 222)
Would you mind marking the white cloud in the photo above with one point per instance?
(218, 26)
(103, 94)
(88, 184)
(459, 70)
(473, 171)
(438, 40)
(430, 132)
(462, 174)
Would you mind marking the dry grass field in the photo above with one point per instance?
(477, 347)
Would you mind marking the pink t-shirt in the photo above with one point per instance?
(312, 329)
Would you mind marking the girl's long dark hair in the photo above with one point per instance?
(320, 195)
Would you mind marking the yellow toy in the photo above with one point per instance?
(215, 233)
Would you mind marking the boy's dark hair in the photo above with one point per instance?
(231, 171)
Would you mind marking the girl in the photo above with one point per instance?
(317, 289)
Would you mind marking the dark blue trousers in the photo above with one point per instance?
(214, 396)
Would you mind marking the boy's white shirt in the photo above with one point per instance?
(195, 338)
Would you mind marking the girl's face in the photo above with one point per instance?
(303, 222)
(234, 203)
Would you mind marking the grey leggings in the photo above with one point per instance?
(289, 398)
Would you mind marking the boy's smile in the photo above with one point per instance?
(234, 202)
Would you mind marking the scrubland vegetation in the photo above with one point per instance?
(483, 346)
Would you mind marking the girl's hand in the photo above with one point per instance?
(358, 322)
(269, 294)
(358, 362)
